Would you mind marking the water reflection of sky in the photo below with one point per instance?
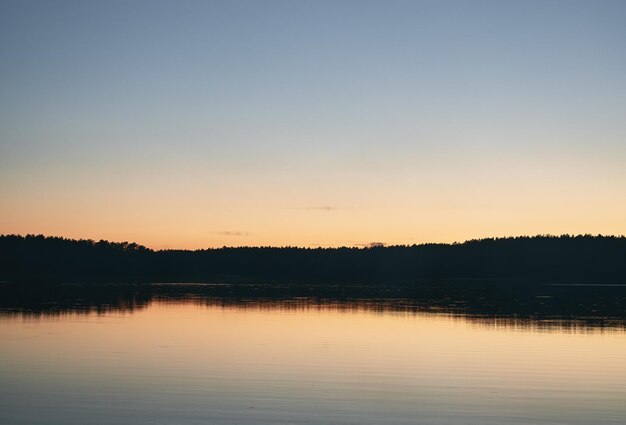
(199, 363)
(524, 306)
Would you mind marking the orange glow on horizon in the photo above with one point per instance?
(400, 206)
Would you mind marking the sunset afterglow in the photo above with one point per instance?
(312, 124)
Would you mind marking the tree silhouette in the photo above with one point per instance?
(592, 259)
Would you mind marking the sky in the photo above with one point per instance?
(190, 124)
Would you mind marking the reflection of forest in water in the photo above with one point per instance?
(491, 303)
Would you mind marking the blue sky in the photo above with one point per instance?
(266, 108)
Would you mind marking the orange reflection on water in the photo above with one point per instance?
(224, 338)
(300, 360)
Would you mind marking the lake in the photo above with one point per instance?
(216, 354)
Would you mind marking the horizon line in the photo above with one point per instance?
(370, 245)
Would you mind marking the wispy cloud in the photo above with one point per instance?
(325, 208)
(372, 244)
(231, 233)
(322, 208)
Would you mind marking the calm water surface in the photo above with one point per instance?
(181, 361)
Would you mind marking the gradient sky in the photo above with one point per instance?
(194, 124)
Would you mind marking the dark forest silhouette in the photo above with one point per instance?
(583, 258)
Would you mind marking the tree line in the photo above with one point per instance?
(581, 258)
